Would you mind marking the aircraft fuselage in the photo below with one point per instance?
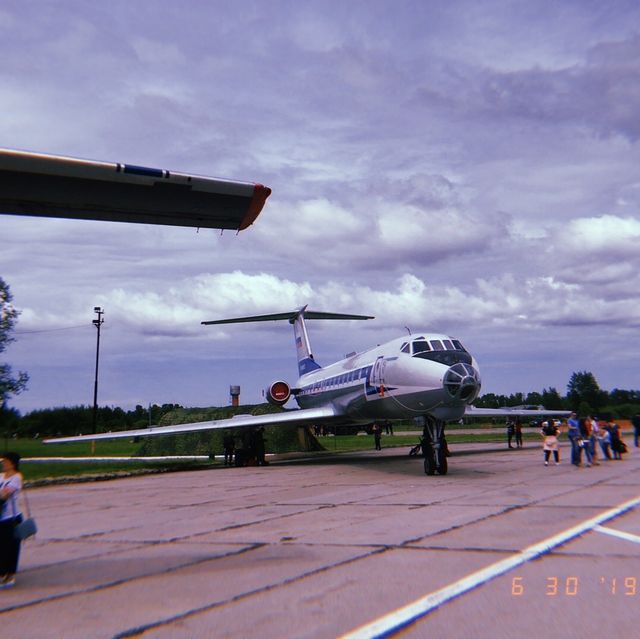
(426, 374)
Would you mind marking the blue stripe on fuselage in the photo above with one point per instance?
(339, 381)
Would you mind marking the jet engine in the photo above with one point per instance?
(278, 393)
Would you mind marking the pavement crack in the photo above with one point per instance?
(119, 582)
(139, 630)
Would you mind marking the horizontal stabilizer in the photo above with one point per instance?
(291, 317)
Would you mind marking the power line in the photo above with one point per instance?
(50, 330)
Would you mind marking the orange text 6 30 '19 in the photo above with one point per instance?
(570, 586)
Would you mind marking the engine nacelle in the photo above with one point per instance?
(278, 393)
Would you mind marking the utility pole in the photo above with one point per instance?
(97, 323)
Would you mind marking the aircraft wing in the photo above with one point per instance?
(56, 186)
(297, 417)
(472, 411)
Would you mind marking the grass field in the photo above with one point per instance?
(101, 470)
(115, 448)
(127, 448)
(35, 448)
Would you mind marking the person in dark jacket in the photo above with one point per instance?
(635, 420)
(229, 445)
(258, 442)
(377, 435)
(618, 447)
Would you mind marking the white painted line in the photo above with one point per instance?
(618, 533)
(393, 622)
(44, 460)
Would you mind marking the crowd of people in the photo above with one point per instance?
(249, 452)
(591, 439)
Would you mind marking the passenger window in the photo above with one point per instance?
(436, 344)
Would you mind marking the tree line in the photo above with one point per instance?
(584, 396)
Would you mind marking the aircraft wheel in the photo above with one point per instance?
(443, 466)
(429, 462)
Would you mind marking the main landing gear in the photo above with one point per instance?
(434, 445)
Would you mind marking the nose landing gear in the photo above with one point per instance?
(434, 445)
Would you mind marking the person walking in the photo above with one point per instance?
(550, 433)
(511, 431)
(617, 445)
(595, 429)
(260, 447)
(10, 516)
(518, 430)
(635, 420)
(585, 440)
(377, 435)
(229, 445)
(573, 432)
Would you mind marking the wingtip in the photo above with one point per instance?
(260, 195)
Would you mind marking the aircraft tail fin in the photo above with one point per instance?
(306, 362)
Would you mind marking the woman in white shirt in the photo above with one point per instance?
(10, 515)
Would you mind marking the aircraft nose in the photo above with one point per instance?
(462, 381)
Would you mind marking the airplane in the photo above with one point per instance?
(43, 185)
(428, 377)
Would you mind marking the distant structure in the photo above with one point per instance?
(234, 391)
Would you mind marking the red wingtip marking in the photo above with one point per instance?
(260, 195)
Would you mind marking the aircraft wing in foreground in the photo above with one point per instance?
(57, 186)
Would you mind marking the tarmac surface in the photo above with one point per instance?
(502, 546)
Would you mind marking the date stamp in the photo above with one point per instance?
(571, 586)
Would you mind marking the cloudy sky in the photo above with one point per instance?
(470, 168)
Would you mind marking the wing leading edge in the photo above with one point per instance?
(472, 411)
(57, 186)
(295, 417)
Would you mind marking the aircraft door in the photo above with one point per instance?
(376, 378)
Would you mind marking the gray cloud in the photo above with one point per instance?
(467, 168)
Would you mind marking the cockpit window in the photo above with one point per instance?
(404, 348)
(448, 345)
(436, 344)
(458, 346)
(420, 346)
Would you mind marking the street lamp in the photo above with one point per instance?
(97, 323)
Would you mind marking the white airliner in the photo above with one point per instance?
(428, 377)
